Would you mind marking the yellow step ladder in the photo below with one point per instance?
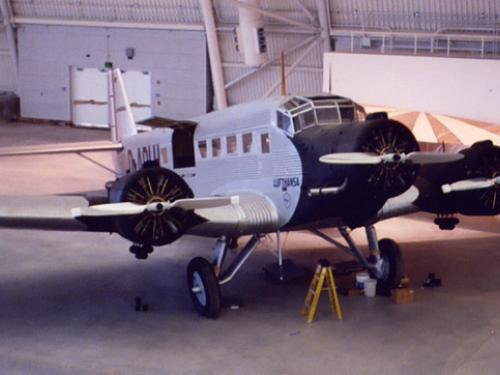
(322, 276)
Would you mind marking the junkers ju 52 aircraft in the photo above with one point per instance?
(279, 164)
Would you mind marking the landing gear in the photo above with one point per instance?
(205, 278)
(385, 262)
(204, 287)
(392, 267)
(284, 271)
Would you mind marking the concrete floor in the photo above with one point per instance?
(67, 299)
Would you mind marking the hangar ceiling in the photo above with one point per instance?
(420, 15)
(296, 27)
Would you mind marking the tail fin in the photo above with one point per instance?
(121, 119)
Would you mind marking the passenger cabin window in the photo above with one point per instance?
(247, 142)
(216, 147)
(164, 155)
(264, 143)
(202, 147)
(231, 144)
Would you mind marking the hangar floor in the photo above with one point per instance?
(67, 299)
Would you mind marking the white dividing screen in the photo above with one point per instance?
(460, 87)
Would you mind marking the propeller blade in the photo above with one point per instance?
(110, 209)
(209, 202)
(127, 208)
(351, 158)
(365, 158)
(433, 157)
(472, 184)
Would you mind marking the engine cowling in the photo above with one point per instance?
(388, 137)
(481, 162)
(365, 188)
(150, 185)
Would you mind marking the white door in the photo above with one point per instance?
(89, 95)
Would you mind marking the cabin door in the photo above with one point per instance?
(183, 147)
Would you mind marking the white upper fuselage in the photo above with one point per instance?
(246, 148)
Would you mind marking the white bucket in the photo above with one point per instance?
(361, 277)
(370, 287)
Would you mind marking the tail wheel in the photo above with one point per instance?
(204, 287)
(392, 267)
(151, 185)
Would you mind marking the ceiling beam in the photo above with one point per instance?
(273, 15)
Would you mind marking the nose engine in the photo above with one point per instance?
(392, 172)
(350, 170)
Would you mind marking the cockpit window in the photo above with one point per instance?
(320, 110)
(347, 113)
(304, 120)
(327, 116)
(360, 113)
(284, 122)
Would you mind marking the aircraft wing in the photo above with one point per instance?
(42, 212)
(61, 148)
(254, 213)
(403, 204)
(215, 216)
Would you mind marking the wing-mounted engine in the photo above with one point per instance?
(470, 186)
(147, 187)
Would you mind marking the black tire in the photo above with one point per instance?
(392, 269)
(200, 273)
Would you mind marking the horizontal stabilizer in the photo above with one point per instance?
(365, 158)
(61, 148)
(128, 208)
(161, 122)
(472, 184)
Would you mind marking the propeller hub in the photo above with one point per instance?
(391, 142)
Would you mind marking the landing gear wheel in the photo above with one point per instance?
(392, 268)
(204, 287)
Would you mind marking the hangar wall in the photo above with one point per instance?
(46, 53)
(7, 72)
(468, 88)
(438, 28)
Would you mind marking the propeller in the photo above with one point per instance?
(368, 158)
(128, 208)
(472, 184)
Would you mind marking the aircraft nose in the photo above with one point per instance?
(391, 138)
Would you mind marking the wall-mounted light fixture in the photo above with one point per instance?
(130, 53)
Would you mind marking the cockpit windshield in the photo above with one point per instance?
(299, 113)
